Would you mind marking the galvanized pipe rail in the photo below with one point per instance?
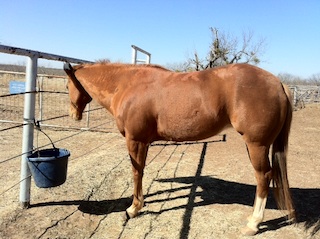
(38, 54)
(29, 110)
(135, 49)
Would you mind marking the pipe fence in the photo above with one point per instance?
(9, 163)
(44, 103)
(51, 107)
(305, 94)
(29, 110)
(135, 51)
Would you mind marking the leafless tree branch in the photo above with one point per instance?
(225, 49)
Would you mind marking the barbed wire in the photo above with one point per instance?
(43, 146)
(16, 156)
(37, 124)
(35, 91)
(13, 127)
(48, 119)
(14, 185)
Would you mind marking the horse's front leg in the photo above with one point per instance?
(138, 153)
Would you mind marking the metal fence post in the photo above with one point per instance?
(88, 116)
(40, 89)
(135, 49)
(28, 128)
(148, 59)
(134, 56)
(29, 110)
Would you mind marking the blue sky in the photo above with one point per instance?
(170, 30)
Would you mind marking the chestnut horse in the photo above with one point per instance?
(150, 103)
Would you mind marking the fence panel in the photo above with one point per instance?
(11, 107)
(52, 104)
(305, 94)
(29, 110)
(135, 51)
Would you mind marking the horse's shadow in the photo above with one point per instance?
(217, 191)
(214, 191)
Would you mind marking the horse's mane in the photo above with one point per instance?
(119, 65)
(153, 66)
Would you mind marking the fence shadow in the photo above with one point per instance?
(218, 191)
(214, 191)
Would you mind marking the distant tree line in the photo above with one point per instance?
(227, 49)
(296, 80)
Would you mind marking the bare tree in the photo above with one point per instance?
(315, 79)
(225, 49)
(290, 79)
(179, 66)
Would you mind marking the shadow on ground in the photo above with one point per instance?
(214, 191)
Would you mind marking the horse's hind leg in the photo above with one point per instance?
(260, 161)
(138, 153)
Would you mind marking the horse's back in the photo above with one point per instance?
(252, 100)
(197, 105)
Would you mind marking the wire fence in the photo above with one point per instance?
(305, 94)
(40, 143)
(52, 108)
(52, 104)
(43, 107)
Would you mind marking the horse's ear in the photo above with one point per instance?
(68, 68)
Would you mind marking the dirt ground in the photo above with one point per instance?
(192, 190)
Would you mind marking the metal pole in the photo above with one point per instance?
(40, 87)
(135, 49)
(38, 54)
(88, 115)
(134, 55)
(148, 59)
(27, 141)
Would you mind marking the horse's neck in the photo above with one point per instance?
(101, 87)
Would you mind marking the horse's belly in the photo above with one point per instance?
(191, 128)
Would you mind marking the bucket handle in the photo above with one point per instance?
(37, 127)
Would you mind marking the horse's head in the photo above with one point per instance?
(79, 97)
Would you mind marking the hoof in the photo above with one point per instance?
(129, 214)
(247, 231)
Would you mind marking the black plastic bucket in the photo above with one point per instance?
(49, 167)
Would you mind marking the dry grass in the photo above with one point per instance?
(191, 191)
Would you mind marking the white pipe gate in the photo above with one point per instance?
(135, 50)
(29, 110)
